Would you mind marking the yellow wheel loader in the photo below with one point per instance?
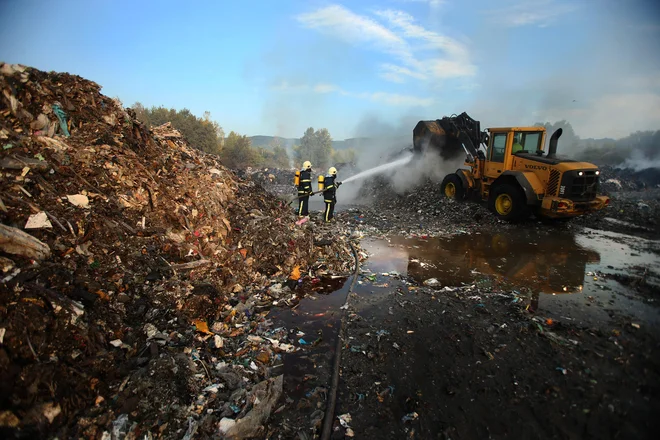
(510, 170)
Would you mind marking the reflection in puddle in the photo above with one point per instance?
(550, 265)
(544, 262)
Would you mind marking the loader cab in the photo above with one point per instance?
(499, 155)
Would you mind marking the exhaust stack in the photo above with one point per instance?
(552, 149)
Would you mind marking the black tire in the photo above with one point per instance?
(453, 181)
(513, 204)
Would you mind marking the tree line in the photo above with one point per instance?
(236, 150)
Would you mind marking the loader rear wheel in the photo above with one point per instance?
(452, 187)
(508, 203)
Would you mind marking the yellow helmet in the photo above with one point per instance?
(332, 171)
(307, 165)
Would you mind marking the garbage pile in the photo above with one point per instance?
(271, 176)
(137, 273)
(424, 209)
(635, 201)
(615, 180)
(278, 182)
(420, 208)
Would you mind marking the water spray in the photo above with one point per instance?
(380, 169)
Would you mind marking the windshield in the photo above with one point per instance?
(529, 141)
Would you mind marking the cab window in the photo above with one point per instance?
(498, 144)
(528, 141)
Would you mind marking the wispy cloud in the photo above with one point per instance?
(541, 13)
(396, 99)
(339, 22)
(325, 88)
(392, 99)
(432, 3)
(416, 52)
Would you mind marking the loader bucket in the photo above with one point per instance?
(429, 135)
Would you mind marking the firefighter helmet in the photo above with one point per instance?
(332, 171)
(307, 165)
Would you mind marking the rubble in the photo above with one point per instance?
(424, 210)
(140, 305)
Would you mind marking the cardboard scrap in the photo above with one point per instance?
(38, 221)
(80, 200)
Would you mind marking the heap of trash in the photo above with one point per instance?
(420, 208)
(137, 273)
(615, 179)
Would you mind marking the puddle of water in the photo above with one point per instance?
(615, 250)
(628, 224)
(557, 266)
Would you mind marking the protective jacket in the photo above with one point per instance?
(330, 188)
(305, 185)
(329, 196)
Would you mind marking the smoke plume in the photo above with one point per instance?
(379, 142)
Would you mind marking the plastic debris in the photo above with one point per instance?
(264, 396)
(432, 282)
(410, 417)
(345, 420)
(226, 424)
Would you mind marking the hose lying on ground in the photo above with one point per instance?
(304, 195)
(332, 396)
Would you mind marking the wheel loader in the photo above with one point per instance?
(510, 170)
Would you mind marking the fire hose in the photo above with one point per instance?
(301, 196)
(332, 396)
(306, 195)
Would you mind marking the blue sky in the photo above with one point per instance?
(277, 67)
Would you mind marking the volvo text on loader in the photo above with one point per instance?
(508, 168)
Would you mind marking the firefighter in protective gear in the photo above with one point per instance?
(304, 189)
(330, 186)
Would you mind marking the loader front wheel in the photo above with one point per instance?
(452, 187)
(508, 203)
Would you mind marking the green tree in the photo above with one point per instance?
(280, 157)
(238, 152)
(202, 133)
(568, 142)
(348, 156)
(315, 146)
(305, 150)
(322, 153)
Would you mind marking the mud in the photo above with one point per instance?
(528, 335)
(505, 345)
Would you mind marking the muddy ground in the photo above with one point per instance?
(464, 327)
(471, 364)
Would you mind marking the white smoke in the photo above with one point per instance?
(430, 166)
(639, 161)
